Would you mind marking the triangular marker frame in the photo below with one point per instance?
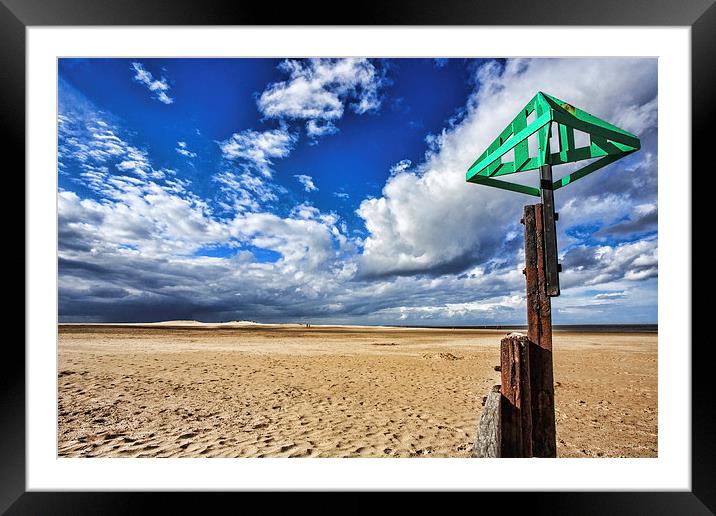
(607, 142)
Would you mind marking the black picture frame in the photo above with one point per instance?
(16, 15)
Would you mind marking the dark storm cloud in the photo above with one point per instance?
(638, 225)
(579, 258)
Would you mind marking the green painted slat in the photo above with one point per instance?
(530, 164)
(529, 108)
(590, 128)
(504, 185)
(593, 151)
(566, 141)
(558, 158)
(592, 167)
(522, 151)
(543, 143)
(582, 115)
(509, 144)
(607, 142)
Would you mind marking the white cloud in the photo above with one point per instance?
(401, 166)
(159, 87)
(597, 265)
(258, 148)
(316, 128)
(146, 216)
(487, 309)
(184, 151)
(133, 250)
(89, 143)
(245, 191)
(431, 220)
(93, 145)
(638, 118)
(307, 182)
(318, 90)
(437, 249)
(610, 295)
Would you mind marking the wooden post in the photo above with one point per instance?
(539, 320)
(516, 413)
(488, 443)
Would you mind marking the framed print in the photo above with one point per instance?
(416, 250)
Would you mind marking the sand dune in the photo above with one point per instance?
(186, 389)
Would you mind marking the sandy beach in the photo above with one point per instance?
(243, 390)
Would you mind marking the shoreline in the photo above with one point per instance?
(569, 328)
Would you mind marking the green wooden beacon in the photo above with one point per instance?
(606, 142)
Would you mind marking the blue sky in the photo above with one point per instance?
(333, 190)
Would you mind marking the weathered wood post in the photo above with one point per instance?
(505, 427)
(516, 406)
(488, 443)
(539, 321)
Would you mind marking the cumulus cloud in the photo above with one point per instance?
(638, 118)
(585, 265)
(485, 309)
(135, 207)
(182, 149)
(319, 90)
(316, 129)
(258, 148)
(401, 166)
(306, 182)
(429, 221)
(158, 87)
(135, 250)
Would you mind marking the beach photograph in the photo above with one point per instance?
(358, 257)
